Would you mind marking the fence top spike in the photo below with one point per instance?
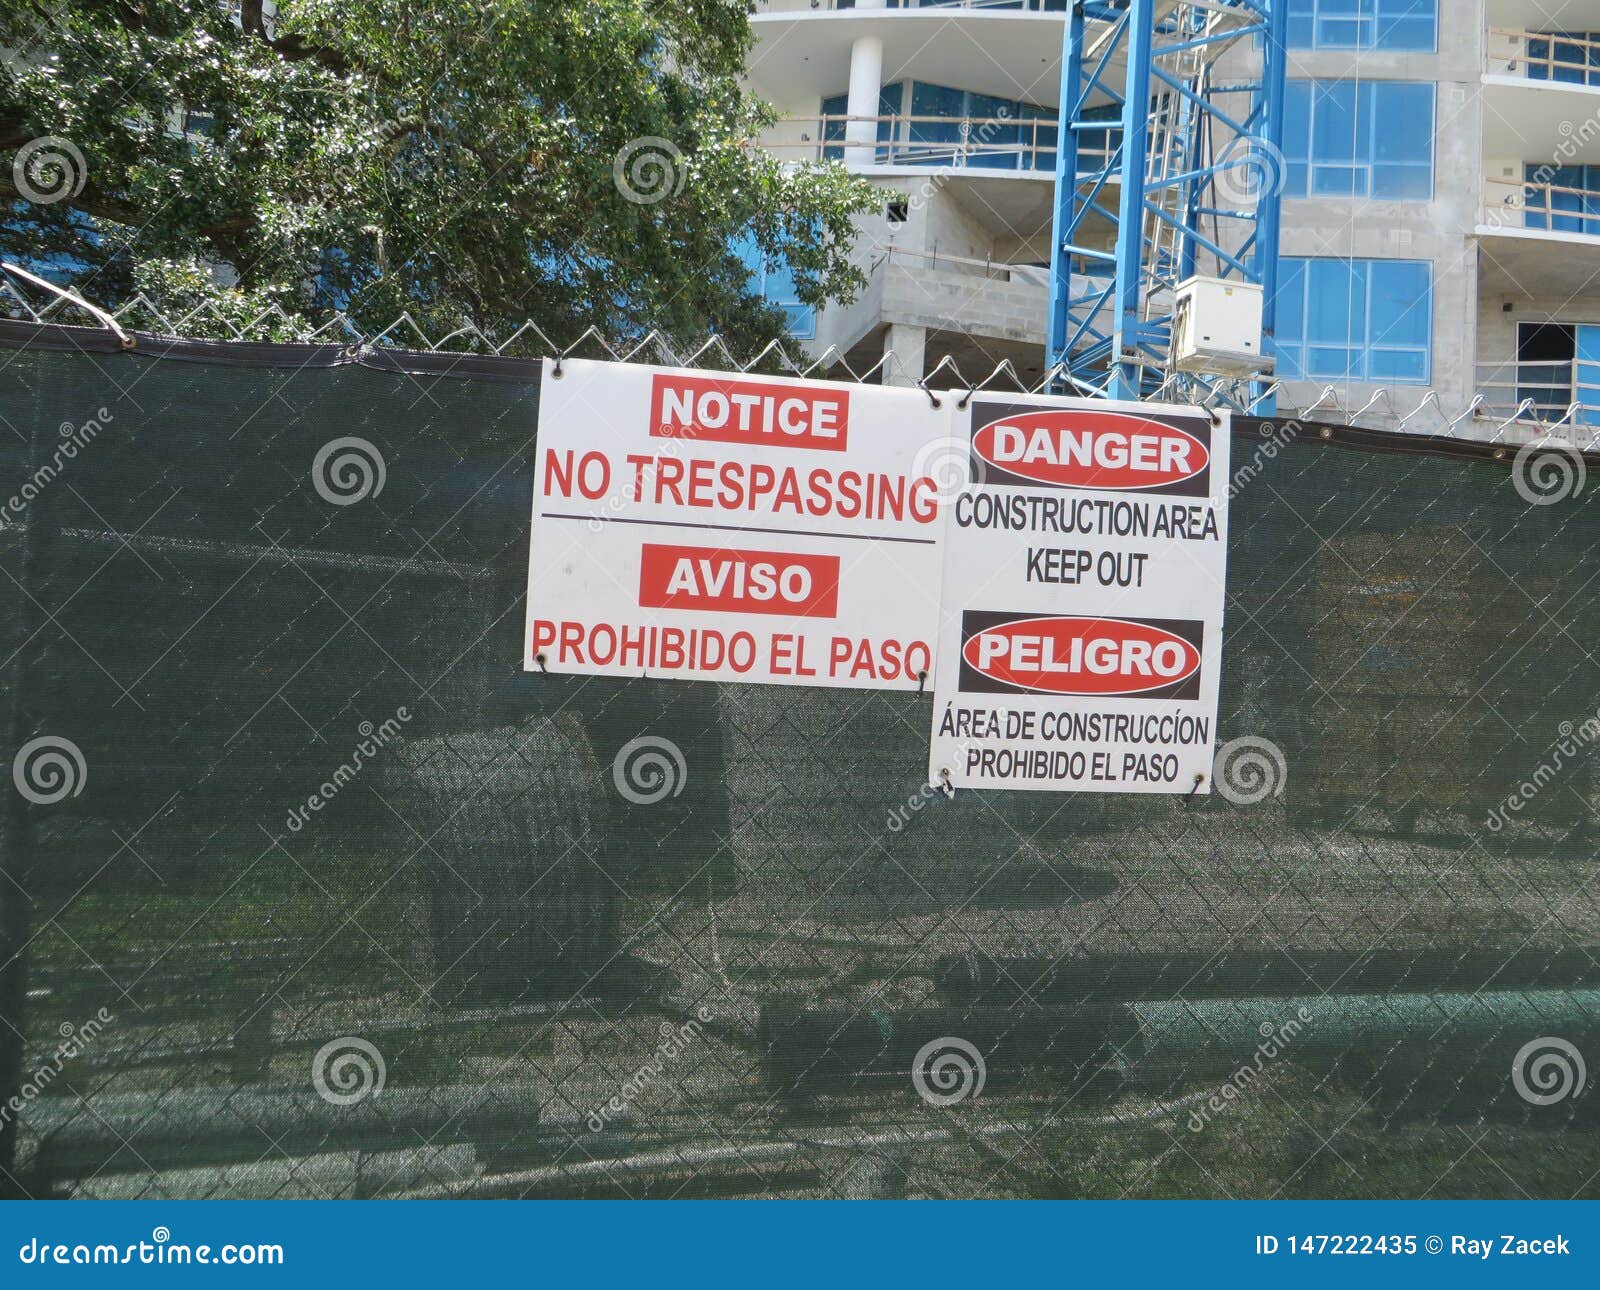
(1430, 397)
(1382, 393)
(1328, 395)
(207, 319)
(1466, 415)
(1527, 405)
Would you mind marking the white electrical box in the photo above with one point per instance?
(1218, 328)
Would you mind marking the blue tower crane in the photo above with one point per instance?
(1169, 173)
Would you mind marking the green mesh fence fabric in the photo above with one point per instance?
(308, 890)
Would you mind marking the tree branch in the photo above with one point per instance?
(292, 49)
(93, 204)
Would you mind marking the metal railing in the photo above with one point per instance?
(980, 143)
(1548, 394)
(1027, 275)
(1526, 203)
(1557, 57)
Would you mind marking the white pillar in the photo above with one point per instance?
(905, 352)
(866, 80)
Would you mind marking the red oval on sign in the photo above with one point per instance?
(1100, 656)
(1091, 450)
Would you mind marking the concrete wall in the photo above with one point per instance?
(949, 228)
(955, 296)
(946, 300)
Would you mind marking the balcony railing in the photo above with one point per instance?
(1541, 393)
(1513, 203)
(1030, 276)
(1554, 57)
(976, 143)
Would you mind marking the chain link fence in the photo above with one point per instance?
(306, 889)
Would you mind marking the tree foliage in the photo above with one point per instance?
(469, 161)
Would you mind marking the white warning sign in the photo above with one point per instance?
(722, 527)
(1081, 642)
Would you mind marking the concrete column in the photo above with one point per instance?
(866, 79)
(905, 352)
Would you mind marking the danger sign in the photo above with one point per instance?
(1083, 598)
(1039, 654)
(1102, 450)
(719, 527)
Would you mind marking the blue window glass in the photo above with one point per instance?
(1358, 139)
(58, 266)
(1569, 56)
(937, 140)
(995, 122)
(1563, 199)
(837, 106)
(1364, 24)
(1355, 320)
(773, 281)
